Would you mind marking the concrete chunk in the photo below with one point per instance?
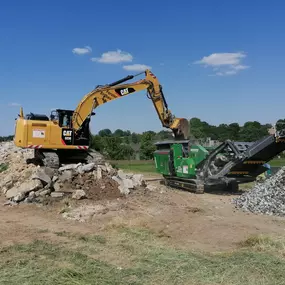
(25, 187)
(79, 194)
(117, 179)
(43, 193)
(19, 197)
(69, 167)
(65, 176)
(128, 183)
(137, 179)
(56, 186)
(44, 174)
(88, 167)
(99, 173)
(56, 194)
(121, 174)
(124, 190)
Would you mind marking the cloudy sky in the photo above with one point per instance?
(222, 61)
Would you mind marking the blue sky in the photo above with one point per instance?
(221, 61)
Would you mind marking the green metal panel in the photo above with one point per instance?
(161, 159)
(184, 163)
(184, 166)
(198, 153)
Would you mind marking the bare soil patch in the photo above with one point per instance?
(206, 222)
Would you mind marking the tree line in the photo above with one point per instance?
(120, 144)
(6, 139)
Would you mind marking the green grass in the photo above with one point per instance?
(146, 166)
(277, 162)
(3, 167)
(138, 256)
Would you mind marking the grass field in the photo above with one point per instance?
(277, 162)
(148, 166)
(144, 166)
(122, 257)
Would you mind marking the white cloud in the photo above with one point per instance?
(136, 67)
(114, 57)
(240, 67)
(217, 59)
(224, 63)
(14, 105)
(82, 51)
(229, 72)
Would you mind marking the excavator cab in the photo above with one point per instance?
(62, 117)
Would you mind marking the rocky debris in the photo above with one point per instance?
(78, 194)
(56, 194)
(24, 188)
(267, 197)
(86, 168)
(43, 174)
(68, 167)
(128, 181)
(96, 180)
(151, 187)
(43, 193)
(65, 176)
(19, 197)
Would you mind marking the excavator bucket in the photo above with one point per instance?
(181, 130)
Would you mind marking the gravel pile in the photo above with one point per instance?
(265, 198)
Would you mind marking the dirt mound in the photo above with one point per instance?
(105, 188)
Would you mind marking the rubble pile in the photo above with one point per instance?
(265, 198)
(20, 181)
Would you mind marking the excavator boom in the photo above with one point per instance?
(115, 90)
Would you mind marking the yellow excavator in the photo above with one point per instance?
(65, 135)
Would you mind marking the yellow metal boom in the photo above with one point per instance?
(106, 93)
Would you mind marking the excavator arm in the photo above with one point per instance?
(103, 94)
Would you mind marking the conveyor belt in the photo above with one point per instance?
(245, 159)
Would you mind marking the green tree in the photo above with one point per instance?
(163, 135)
(233, 131)
(6, 138)
(118, 133)
(127, 140)
(280, 124)
(105, 133)
(197, 128)
(252, 131)
(97, 143)
(147, 147)
(115, 149)
(135, 138)
(223, 132)
(127, 133)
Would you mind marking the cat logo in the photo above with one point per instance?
(124, 91)
(67, 133)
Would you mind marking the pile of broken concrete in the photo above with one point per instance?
(267, 197)
(22, 182)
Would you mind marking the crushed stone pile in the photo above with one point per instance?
(22, 182)
(267, 197)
